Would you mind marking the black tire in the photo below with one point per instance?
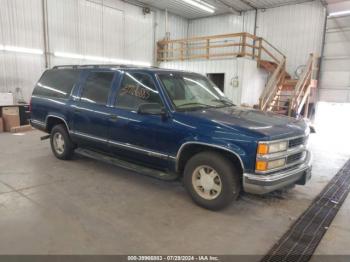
(229, 180)
(68, 150)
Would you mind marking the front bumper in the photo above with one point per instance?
(262, 184)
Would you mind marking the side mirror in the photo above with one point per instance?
(151, 109)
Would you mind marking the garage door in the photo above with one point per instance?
(335, 70)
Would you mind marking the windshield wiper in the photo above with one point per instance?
(194, 103)
(224, 101)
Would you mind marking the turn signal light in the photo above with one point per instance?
(263, 149)
(261, 165)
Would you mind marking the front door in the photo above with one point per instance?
(132, 134)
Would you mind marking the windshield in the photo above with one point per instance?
(192, 91)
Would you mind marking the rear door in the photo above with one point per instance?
(132, 134)
(91, 111)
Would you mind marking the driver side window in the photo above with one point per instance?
(136, 89)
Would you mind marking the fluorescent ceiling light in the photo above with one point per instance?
(340, 13)
(17, 49)
(101, 59)
(201, 5)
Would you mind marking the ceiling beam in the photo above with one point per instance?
(140, 4)
(324, 3)
(248, 4)
(287, 3)
(230, 7)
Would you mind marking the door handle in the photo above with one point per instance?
(76, 110)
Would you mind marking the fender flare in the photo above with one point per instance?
(58, 117)
(178, 155)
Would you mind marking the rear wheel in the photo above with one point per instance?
(61, 144)
(211, 180)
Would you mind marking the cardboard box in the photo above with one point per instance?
(1, 125)
(10, 117)
(20, 129)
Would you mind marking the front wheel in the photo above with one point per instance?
(211, 180)
(61, 144)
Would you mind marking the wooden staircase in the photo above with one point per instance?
(284, 95)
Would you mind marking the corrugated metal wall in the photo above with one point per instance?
(216, 25)
(335, 69)
(99, 28)
(296, 30)
(177, 26)
(20, 26)
(223, 24)
(253, 82)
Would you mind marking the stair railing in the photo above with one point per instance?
(217, 46)
(302, 89)
(273, 86)
(269, 48)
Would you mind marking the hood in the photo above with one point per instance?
(271, 125)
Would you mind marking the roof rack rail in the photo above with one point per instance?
(101, 66)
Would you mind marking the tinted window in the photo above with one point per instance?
(97, 87)
(57, 83)
(137, 89)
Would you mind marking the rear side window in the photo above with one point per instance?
(137, 89)
(97, 87)
(57, 83)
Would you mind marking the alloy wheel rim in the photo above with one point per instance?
(206, 182)
(58, 143)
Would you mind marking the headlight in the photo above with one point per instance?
(264, 149)
(276, 163)
(262, 165)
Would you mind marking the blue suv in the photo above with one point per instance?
(170, 124)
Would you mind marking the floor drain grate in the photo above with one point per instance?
(301, 240)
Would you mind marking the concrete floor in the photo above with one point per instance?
(48, 206)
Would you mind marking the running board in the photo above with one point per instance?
(127, 165)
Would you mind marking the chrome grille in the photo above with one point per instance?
(294, 158)
(296, 142)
